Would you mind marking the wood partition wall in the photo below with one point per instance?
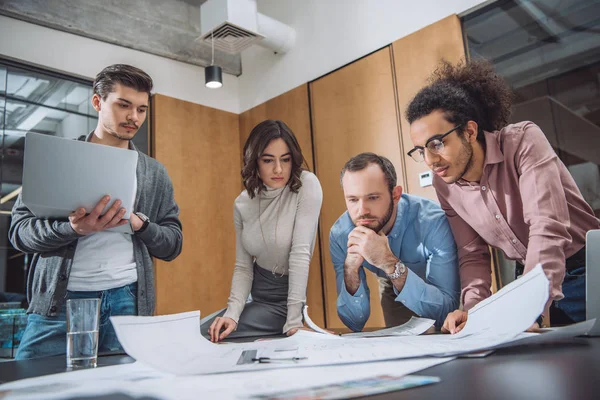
(353, 110)
(359, 108)
(200, 148)
(415, 58)
(356, 108)
(292, 108)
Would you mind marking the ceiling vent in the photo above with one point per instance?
(231, 38)
(236, 25)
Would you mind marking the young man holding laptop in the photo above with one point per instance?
(81, 257)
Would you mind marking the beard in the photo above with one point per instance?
(380, 222)
(464, 161)
(114, 133)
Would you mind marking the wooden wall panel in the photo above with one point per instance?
(353, 110)
(293, 109)
(415, 57)
(200, 148)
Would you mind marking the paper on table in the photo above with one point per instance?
(414, 326)
(305, 335)
(555, 335)
(561, 334)
(155, 340)
(173, 344)
(511, 310)
(139, 380)
(186, 352)
(350, 389)
(98, 380)
(311, 324)
(221, 386)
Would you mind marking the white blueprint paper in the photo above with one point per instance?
(120, 379)
(173, 344)
(511, 310)
(414, 326)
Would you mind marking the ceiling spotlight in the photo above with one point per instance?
(213, 75)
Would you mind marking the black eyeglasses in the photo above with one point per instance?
(434, 144)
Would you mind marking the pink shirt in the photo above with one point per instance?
(526, 204)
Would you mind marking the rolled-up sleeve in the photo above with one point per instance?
(436, 295)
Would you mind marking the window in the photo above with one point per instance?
(549, 52)
(33, 100)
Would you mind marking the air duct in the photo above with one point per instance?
(237, 25)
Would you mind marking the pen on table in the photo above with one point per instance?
(265, 360)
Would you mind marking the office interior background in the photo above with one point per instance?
(342, 87)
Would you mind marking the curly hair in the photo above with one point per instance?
(468, 91)
(257, 142)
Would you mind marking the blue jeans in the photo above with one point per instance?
(572, 307)
(47, 336)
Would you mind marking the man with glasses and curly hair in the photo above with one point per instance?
(501, 186)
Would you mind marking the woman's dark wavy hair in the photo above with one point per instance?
(469, 91)
(257, 142)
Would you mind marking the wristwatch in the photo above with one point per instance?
(398, 271)
(540, 320)
(145, 220)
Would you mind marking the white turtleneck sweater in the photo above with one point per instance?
(291, 250)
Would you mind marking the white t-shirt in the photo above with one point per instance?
(102, 261)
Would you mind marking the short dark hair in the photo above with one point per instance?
(255, 146)
(126, 75)
(468, 91)
(363, 160)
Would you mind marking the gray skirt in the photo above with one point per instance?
(266, 314)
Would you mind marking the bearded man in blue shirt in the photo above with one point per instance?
(405, 240)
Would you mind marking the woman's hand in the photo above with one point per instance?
(294, 330)
(219, 323)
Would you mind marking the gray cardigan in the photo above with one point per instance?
(53, 242)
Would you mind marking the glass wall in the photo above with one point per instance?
(549, 52)
(33, 100)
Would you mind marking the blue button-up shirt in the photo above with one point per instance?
(421, 238)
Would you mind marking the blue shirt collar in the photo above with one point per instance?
(401, 214)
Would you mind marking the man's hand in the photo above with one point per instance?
(353, 259)
(227, 324)
(87, 224)
(374, 247)
(535, 328)
(455, 322)
(351, 267)
(136, 222)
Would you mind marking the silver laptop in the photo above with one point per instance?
(592, 269)
(61, 175)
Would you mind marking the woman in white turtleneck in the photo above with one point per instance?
(276, 220)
